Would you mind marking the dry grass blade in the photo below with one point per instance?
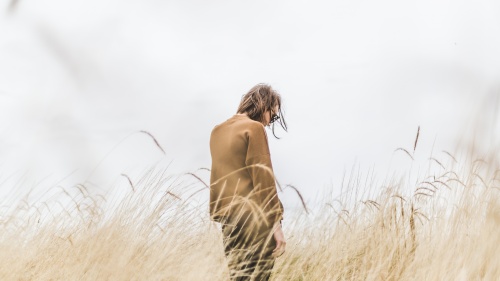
(173, 195)
(421, 194)
(129, 181)
(449, 154)
(300, 197)
(375, 204)
(418, 213)
(194, 193)
(254, 207)
(83, 189)
(425, 189)
(449, 172)
(370, 204)
(346, 212)
(439, 163)
(458, 181)
(443, 183)
(407, 153)
(116, 146)
(431, 184)
(479, 161)
(279, 185)
(199, 179)
(480, 178)
(367, 205)
(412, 230)
(341, 217)
(419, 216)
(154, 139)
(431, 177)
(399, 196)
(416, 139)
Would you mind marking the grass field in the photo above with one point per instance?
(445, 226)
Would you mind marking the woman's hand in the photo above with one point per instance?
(279, 237)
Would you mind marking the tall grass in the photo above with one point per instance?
(444, 227)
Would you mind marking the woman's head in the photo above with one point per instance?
(263, 104)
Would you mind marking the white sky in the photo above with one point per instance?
(357, 79)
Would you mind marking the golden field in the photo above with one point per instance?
(444, 226)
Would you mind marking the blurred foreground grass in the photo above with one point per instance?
(446, 228)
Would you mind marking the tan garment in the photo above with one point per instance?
(242, 178)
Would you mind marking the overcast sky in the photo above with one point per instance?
(79, 78)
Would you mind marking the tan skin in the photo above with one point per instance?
(279, 237)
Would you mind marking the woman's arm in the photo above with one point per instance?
(279, 237)
(258, 161)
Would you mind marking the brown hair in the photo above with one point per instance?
(260, 99)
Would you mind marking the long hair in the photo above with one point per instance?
(258, 100)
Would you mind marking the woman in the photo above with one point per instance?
(243, 195)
